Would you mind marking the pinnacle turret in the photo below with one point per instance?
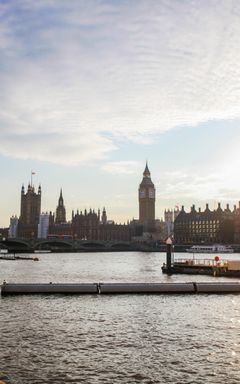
(60, 211)
(146, 172)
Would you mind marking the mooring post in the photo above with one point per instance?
(169, 255)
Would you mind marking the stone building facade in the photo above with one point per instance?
(197, 227)
(29, 212)
(169, 219)
(93, 225)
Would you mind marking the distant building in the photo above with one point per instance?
(60, 211)
(194, 227)
(3, 233)
(206, 226)
(111, 231)
(104, 216)
(43, 226)
(29, 212)
(146, 199)
(13, 227)
(169, 218)
(89, 226)
(85, 225)
(58, 225)
(236, 214)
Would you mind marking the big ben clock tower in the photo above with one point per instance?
(146, 198)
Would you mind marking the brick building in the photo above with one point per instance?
(196, 227)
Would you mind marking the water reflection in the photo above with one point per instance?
(115, 339)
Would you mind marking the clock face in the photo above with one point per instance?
(151, 193)
(142, 193)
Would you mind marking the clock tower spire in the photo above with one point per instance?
(146, 198)
(60, 211)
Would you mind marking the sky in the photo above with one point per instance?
(90, 90)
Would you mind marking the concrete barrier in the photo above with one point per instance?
(65, 288)
(146, 288)
(221, 287)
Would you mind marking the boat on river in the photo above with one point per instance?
(218, 248)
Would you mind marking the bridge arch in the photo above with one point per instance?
(120, 245)
(93, 244)
(15, 245)
(51, 244)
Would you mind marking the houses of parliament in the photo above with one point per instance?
(216, 226)
(89, 225)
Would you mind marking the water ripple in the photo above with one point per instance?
(118, 339)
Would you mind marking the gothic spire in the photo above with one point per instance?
(146, 172)
(60, 200)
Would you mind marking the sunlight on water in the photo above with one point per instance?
(117, 338)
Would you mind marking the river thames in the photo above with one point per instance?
(123, 339)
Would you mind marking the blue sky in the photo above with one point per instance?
(90, 90)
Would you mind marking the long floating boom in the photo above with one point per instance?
(119, 288)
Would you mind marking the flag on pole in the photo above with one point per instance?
(32, 173)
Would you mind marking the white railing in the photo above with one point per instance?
(201, 262)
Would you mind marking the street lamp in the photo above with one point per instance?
(169, 254)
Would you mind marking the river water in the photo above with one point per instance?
(117, 338)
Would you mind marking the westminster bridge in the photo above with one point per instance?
(23, 245)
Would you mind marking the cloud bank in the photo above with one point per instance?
(201, 188)
(77, 76)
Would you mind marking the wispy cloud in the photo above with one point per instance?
(85, 74)
(191, 187)
(122, 167)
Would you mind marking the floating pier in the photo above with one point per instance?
(48, 288)
(196, 266)
(115, 288)
(221, 287)
(120, 288)
(224, 268)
